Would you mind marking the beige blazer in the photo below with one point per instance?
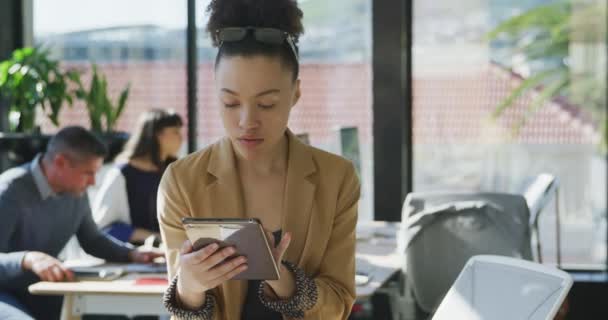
(321, 212)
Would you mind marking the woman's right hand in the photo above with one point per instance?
(204, 269)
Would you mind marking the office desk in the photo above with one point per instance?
(117, 297)
(375, 255)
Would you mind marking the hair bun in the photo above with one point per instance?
(279, 14)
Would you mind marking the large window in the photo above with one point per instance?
(468, 137)
(143, 43)
(335, 108)
(136, 42)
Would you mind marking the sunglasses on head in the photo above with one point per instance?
(264, 35)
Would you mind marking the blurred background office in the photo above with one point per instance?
(469, 96)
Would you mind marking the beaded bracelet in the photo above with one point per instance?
(205, 312)
(303, 299)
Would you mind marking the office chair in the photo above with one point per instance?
(497, 288)
(440, 231)
(539, 192)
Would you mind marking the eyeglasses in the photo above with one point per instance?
(263, 35)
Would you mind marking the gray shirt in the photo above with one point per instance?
(34, 218)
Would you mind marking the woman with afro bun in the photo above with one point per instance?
(305, 198)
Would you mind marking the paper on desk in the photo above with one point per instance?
(83, 263)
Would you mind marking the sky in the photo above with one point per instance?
(58, 16)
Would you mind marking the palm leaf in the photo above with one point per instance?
(526, 85)
(551, 91)
(542, 16)
(120, 107)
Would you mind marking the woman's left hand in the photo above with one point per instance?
(286, 285)
(278, 250)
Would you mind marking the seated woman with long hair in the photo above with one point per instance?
(125, 206)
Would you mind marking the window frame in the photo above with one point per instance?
(392, 105)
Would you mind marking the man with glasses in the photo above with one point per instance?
(42, 205)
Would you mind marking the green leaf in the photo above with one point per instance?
(74, 76)
(541, 16)
(15, 69)
(539, 101)
(4, 73)
(527, 84)
(546, 49)
(121, 105)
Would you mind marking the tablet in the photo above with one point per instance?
(246, 235)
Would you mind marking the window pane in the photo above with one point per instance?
(335, 71)
(140, 43)
(462, 142)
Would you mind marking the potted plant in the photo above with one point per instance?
(31, 82)
(103, 113)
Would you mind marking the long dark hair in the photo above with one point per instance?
(144, 140)
(279, 14)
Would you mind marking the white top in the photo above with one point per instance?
(110, 204)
